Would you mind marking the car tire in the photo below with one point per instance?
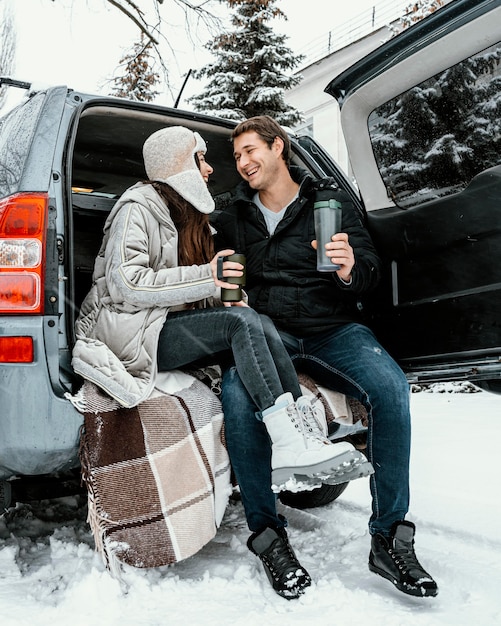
(310, 499)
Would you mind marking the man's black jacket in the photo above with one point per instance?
(282, 279)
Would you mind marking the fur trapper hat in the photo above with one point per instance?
(169, 157)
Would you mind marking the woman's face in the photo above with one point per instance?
(205, 169)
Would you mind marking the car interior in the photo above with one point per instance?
(106, 159)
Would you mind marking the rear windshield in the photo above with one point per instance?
(16, 133)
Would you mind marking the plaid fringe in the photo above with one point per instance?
(157, 475)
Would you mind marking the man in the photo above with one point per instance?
(317, 315)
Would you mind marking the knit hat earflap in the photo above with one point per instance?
(169, 157)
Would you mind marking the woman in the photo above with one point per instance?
(154, 306)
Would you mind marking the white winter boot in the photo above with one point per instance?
(315, 423)
(302, 456)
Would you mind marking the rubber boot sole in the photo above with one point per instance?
(408, 589)
(345, 467)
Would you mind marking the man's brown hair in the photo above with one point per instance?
(267, 129)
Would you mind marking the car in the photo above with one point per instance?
(421, 120)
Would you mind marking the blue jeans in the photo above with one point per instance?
(348, 359)
(260, 357)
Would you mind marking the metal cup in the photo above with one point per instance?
(233, 295)
(327, 215)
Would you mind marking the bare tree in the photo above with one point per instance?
(153, 20)
(149, 19)
(7, 45)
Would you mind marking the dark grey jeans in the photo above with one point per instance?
(263, 364)
(347, 359)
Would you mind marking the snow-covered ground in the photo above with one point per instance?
(50, 574)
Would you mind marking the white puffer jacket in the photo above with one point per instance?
(136, 281)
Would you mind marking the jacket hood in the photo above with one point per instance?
(169, 157)
(144, 194)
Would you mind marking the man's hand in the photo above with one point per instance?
(340, 253)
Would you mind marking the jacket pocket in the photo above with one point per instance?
(124, 332)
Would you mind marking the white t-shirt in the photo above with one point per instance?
(271, 218)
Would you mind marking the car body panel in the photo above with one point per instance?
(39, 428)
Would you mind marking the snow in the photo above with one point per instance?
(50, 574)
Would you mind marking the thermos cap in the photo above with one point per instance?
(331, 204)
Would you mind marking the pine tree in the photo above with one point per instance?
(450, 158)
(405, 123)
(139, 78)
(483, 124)
(252, 68)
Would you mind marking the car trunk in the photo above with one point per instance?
(106, 159)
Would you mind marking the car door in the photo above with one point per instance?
(421, 117)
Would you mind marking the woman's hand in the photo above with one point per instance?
(229, 268)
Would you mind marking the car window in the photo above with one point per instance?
(16, 133)
(431, 140)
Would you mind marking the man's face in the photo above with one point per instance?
(258, 163)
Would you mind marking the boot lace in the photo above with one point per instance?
(405, 559)
(282, 562)
(295, 417)
(312, 418)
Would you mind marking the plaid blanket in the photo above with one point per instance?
(157, 475)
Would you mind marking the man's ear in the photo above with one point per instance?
(278, 145)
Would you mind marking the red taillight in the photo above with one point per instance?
(22, 252)
(19, 291)
(16, 350)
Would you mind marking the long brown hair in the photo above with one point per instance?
(195, 242)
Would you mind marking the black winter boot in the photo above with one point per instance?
(394, 558)
(287, 577)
